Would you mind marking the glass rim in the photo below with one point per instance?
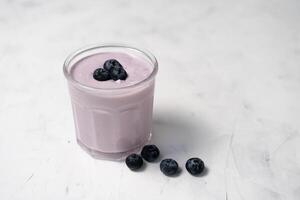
(82, 50)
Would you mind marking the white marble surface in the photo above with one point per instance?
(228, 91)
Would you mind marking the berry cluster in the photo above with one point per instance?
(169, 167)
(112, 69)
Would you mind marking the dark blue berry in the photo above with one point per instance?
(109, 64)
(169, 167)
(150, 153)
(117, 73)
(134, 161)
(194, 166)
(116, 70)
(101, 74)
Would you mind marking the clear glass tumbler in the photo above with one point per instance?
(111, 123)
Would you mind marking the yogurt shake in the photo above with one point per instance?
(114, 117)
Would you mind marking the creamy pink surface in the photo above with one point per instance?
(111, 124)
(137, 69)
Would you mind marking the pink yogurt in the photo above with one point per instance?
(112, 118)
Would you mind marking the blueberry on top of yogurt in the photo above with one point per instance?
(112, 69)
(101, 74)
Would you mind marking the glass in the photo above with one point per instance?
(111, 123)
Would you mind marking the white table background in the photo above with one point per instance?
(228, 91)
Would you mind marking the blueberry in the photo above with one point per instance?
(117, 73)
(115, 69)
(134, 162)
(109, 64)
(101, 74)
(169, 167)
(194, 166)
(150, 152)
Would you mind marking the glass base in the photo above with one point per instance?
(118, 156)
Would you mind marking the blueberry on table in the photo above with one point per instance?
(101, 74)
(150, 152)
(169, 167)
(134, 162)
(194, 166)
